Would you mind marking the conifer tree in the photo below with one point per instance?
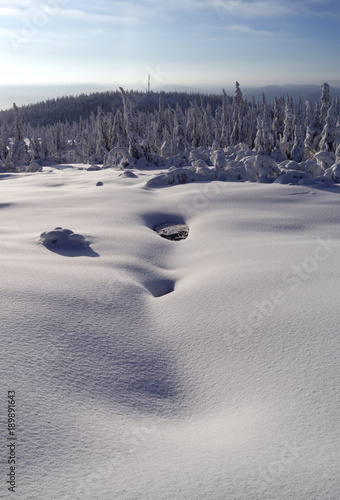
(18, 157)
(324, 103)
(224, 138)
(237, 117)
(298, 146)
(134, 148)
(330, 133)
(287, 139)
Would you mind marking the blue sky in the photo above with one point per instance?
(185, 42)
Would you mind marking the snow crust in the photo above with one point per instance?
(206, 368)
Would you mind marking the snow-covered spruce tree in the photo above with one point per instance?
(4, 146)
(249, 123)
(159, 124)
(263, 103)
(237, 135)
(310, 115)
(193, 125)
(331, 133)
(102, 135)
(18, 158)
(134, 148)
(201, 128)
(34, 146)
(258, 143)
(313, 132)
(87, 141)
(208, 127)
(287, 139)
(337, 154)
(119, 136)
(168, 124)
(336, 103)
(224, 138)
(179, 142)
(298, 150)
(299, 111)
(324, 103)
(279, 115)
(264, 142)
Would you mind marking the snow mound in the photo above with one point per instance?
(292, 177)
(66, 242)
(334, 172)
(180, 176)
(128, 173)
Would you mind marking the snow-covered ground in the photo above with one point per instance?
(150, 369)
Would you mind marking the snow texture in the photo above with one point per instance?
(200, 369)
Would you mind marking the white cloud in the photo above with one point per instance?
(261, 8)
(273, 8)
(4, 32)
(247, 30)
(82, 15)
(10, 12)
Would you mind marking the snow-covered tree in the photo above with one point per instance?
(264, 142)
(330, 133)
(225, 121)
(237, 135)
(179, 138)
(134, 148)
(287, 139)
(18, 157)
(324, 102)
(298, 150)
(119, 136)
(279, 114)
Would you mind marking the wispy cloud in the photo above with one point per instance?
(274, 8)
(5, 32)
(10, 12)
(247, 30)
(82, 15)
(257, 9)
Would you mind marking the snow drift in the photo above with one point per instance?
(206, 368)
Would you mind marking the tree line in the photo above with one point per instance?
(162, 125)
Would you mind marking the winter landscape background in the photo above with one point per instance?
(169, 247)
(146, 368)
(139, 129)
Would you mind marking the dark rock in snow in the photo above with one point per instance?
(172, 231)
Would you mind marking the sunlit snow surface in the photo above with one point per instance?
(201, 369)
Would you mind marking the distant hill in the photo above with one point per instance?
(73, 108)
(311, 92)
(31, 94)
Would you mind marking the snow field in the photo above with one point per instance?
(224, 387)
